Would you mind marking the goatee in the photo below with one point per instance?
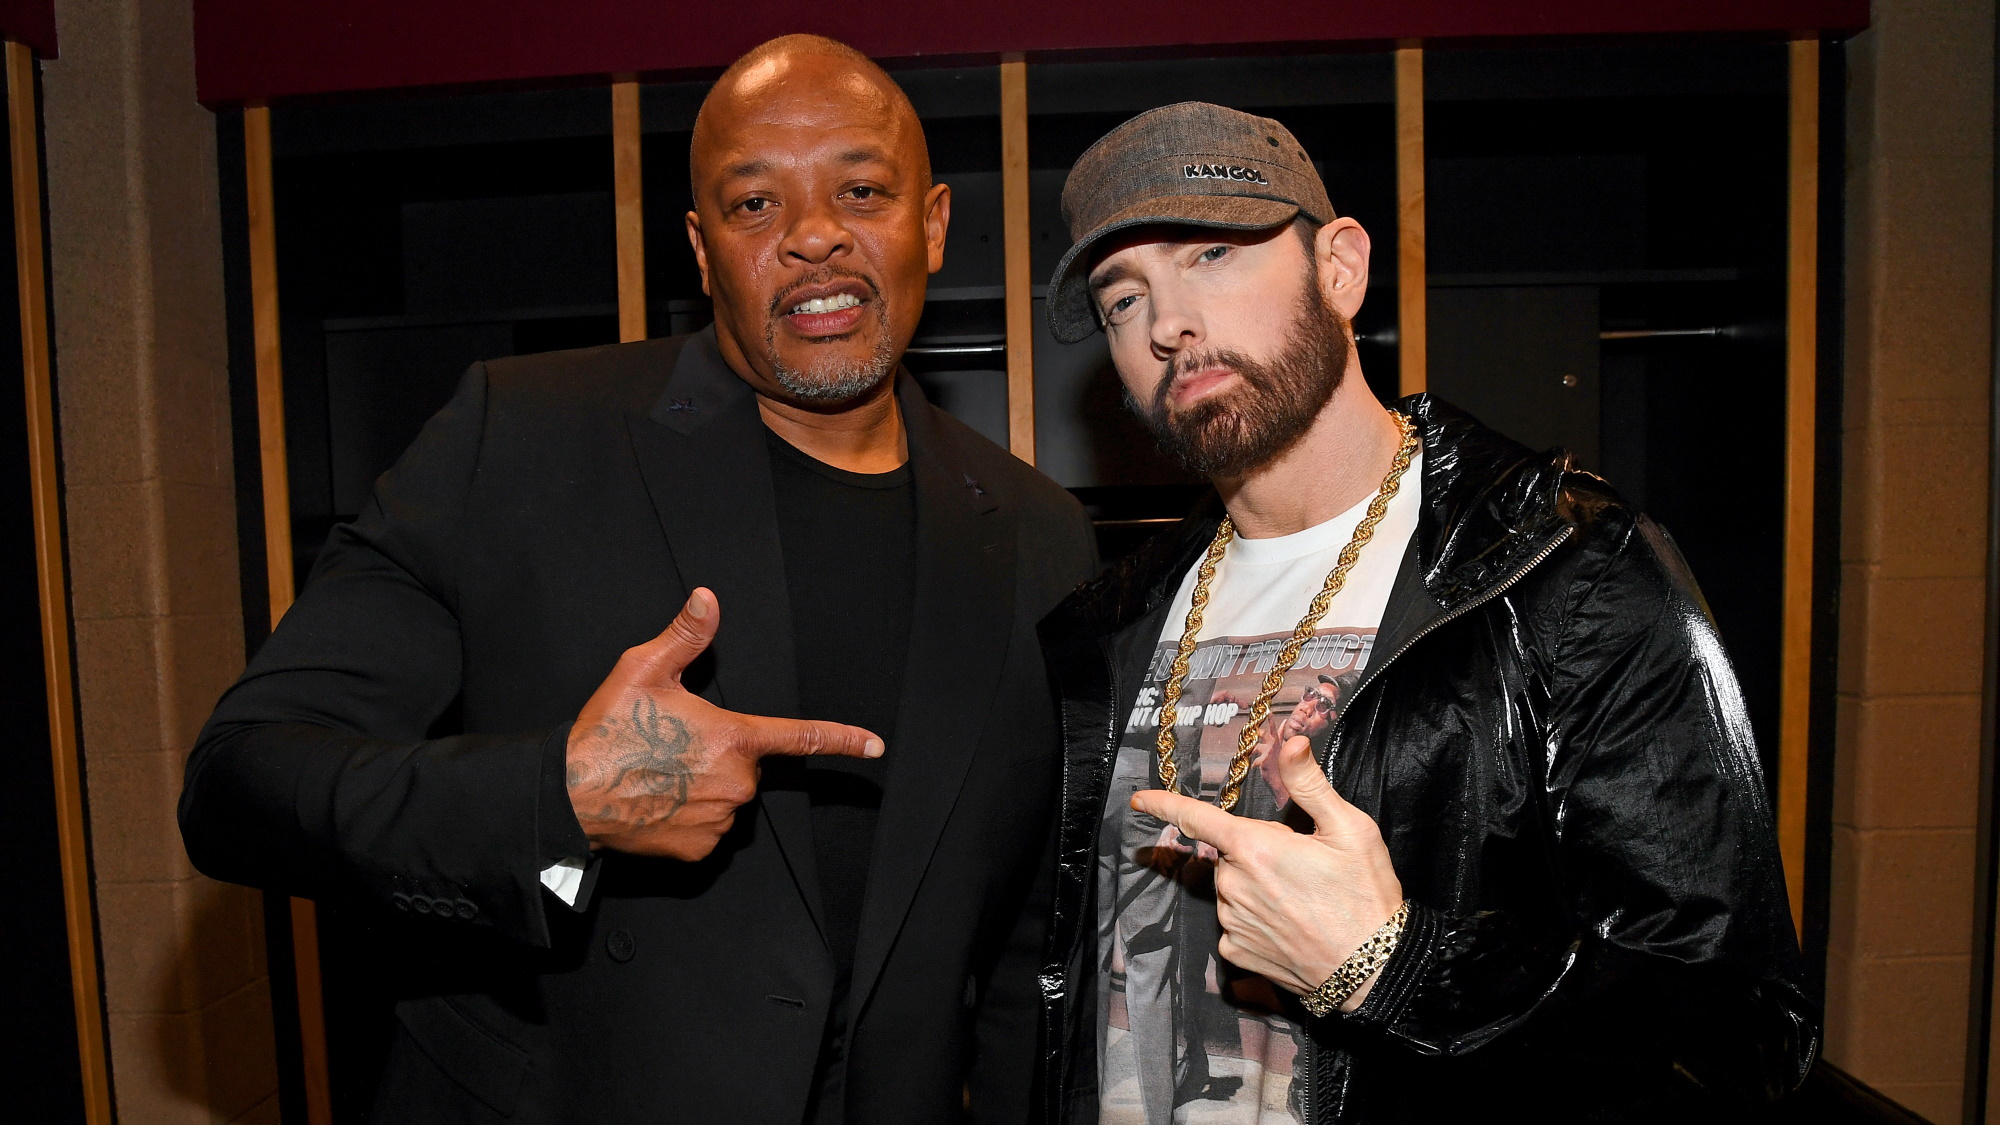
(1229, 435)
(831, 378)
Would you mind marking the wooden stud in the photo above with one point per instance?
(278, 554)
(1019, 235)
(1410, 275)
(52, 585)
(628, 206)
(269, 360)
(1801, 421)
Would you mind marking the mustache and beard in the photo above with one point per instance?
(1233, 434)
(830, 377)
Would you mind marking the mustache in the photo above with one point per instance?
(821, 276)
(1185, 362)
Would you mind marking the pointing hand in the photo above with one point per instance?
(657, 770)
(1292, 906)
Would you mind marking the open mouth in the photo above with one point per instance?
(827, 310)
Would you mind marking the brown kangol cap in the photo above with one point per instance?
(1191, 164)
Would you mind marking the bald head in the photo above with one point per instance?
(815, 224)
(801, 76)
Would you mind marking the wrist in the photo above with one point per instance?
(559, 828)
(1353, 1003)
(1347, 986)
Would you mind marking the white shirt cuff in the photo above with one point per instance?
(564, 878)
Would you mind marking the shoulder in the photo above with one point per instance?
(1619, 574)
(1014, 482)
(1494, 505)
(613, 377)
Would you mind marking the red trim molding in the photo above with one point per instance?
(250, 50)
(32, 22)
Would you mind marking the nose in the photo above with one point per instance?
(815, 236)
(1176, 322)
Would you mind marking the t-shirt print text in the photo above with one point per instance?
(1331, 652)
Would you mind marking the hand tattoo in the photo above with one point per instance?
(647, 762)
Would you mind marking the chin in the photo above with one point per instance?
(833, 377)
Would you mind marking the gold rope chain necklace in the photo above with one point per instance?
(1239, 766)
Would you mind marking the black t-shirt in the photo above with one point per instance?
(849, 542)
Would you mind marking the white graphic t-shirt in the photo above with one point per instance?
(1187, 1038)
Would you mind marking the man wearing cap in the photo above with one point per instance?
(1527, 870)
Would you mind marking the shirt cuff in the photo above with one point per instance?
(564, 878)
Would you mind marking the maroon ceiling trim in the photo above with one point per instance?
(32, 22)
(248, 50)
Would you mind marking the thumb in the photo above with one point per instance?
(686, 637)
(1308, 786)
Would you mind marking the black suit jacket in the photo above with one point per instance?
(398, 741)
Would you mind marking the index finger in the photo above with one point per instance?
(802, 738)
(1197, 820)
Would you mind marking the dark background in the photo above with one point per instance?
(39, 1069)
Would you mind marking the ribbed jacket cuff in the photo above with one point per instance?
(1405, 970)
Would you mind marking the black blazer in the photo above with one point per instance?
(398, 741)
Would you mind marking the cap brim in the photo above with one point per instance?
(1070, 315)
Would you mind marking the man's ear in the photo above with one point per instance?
(937, 220)
(1341, 248)
(700, 251)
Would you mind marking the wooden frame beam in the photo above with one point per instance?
(1411, 277)
(279, 579)
(1801, 414)
(628, 207)
(1019, 237)
(24, 132)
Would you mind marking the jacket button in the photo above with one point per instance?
(420, 903)
(401, 900)
(620, 945)
(466, 909)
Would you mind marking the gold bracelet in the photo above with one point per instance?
(1359, 966)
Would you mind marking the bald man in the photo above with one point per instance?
(676, 706)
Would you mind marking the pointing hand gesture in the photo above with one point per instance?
(656, 769)
(1292, 906)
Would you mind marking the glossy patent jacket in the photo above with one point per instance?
(1557, 753)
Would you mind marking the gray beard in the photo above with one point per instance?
(833, 380)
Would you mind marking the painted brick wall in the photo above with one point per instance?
(1920, 208)
(142, 380)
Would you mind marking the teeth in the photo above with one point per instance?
(827, 304)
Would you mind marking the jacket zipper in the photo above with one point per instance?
(1333, 744)
(1502, 587)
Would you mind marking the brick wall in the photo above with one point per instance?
(1913, 546)
(142, 382)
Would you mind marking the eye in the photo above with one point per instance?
(1119, 311)
(1214, 253)
(755, 204)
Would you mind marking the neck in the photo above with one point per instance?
(863, 436)
(1336, 465)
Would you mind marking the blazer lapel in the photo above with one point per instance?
(963, 615)
(702, 452)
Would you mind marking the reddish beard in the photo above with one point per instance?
(1232, 433)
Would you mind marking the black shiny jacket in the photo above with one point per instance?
(1556, 750)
